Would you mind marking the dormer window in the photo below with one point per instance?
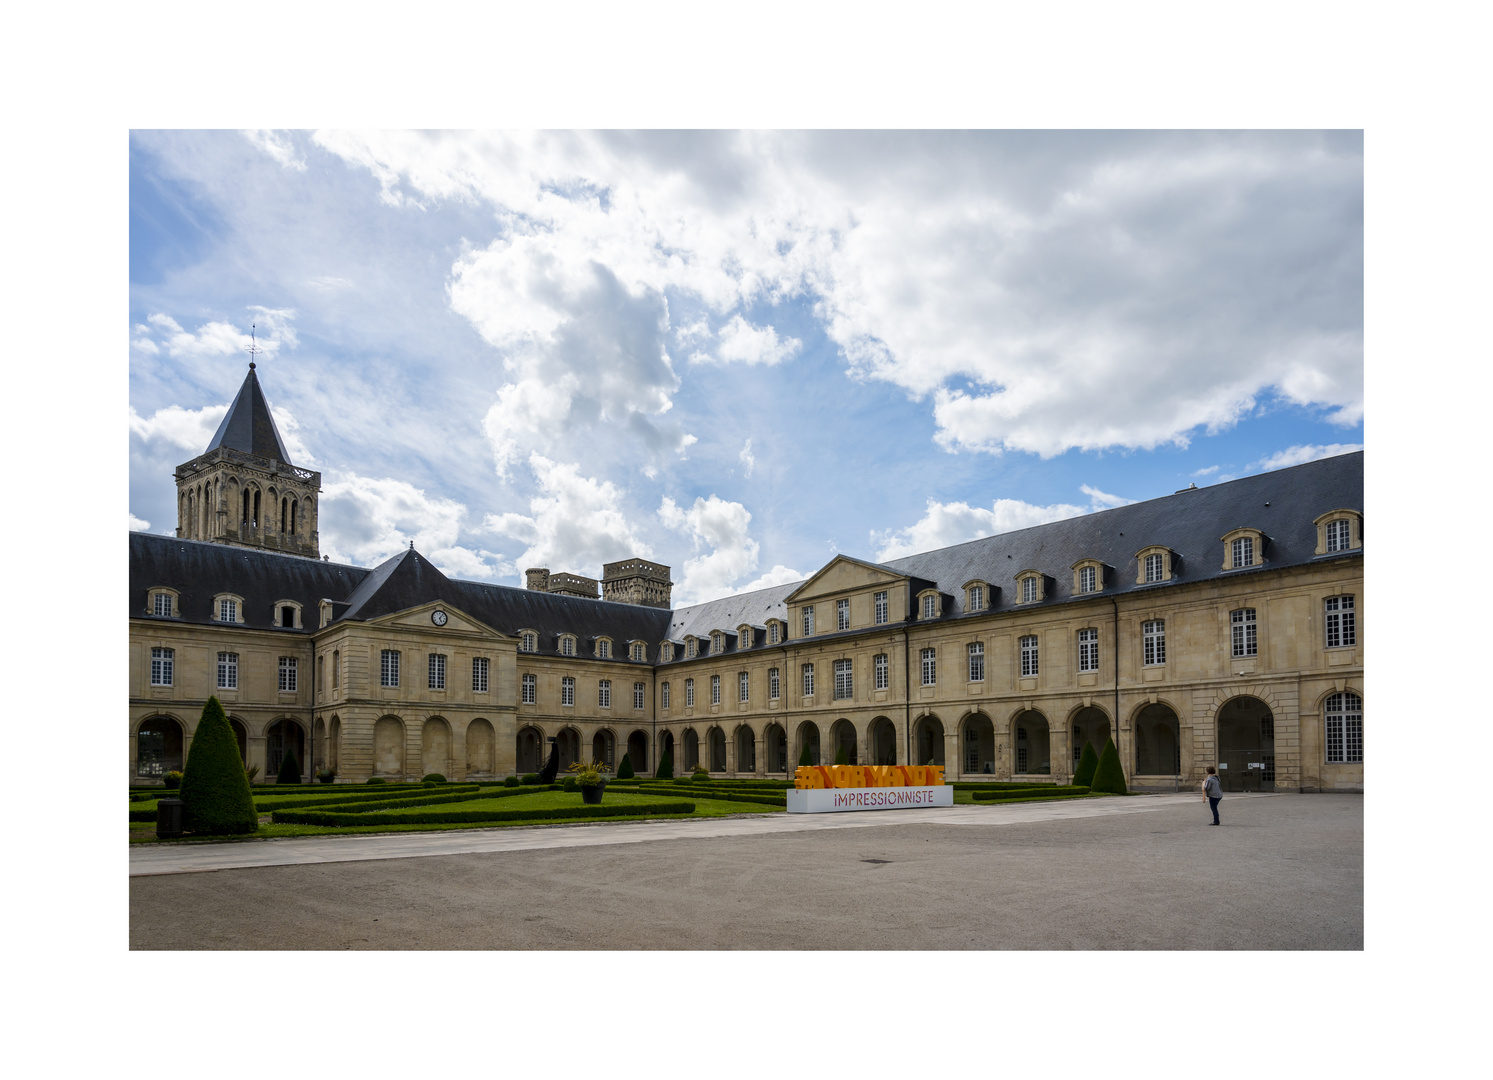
(639, 652)
(1088, 576)
(717, 642)
(162, 603)
(567, 645)
(603, 648)
(691, 646)
(978, 596)
(1031, 587)
(772, 633)
(1339, 530)
(1154, 565)
(666, 651)
(744, 636)
(1243, 548)
(528, 641)
(287, 615)
(227, 608)
(930, 604)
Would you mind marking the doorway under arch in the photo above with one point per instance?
(482, 743)
(666, 741)
(927, 740)
(158, 747)
(568, 742)
(1090, 725)
(1246, 745)
(717, 739)
(746, 750)
(808, 736)
(1158, 742)
(526, 753)
(282, 737)
(604, 748)
(842, 736)
(979, 745)
(1033, 744)
(883, 741)
(775, 741)
(637, 751)
(691, 749)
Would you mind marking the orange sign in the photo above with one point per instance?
(867, 776)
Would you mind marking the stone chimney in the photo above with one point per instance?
(637, 581)
(537, 578)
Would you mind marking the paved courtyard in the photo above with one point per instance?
(1285, 872)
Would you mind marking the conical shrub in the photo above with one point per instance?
(215, 787)
(1108, 776)
(1088, 761)
(665, 766)
(841, 757)
(624, 771)
(806, 759)
(290, 769)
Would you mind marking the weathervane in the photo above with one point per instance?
(253, 348)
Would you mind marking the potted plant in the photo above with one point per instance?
(172, 779)
(326, 776)
(591, 781)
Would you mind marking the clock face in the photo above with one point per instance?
(438, 617)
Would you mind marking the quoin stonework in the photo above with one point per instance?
(1220, 625)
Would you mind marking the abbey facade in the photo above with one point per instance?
(1216, 626)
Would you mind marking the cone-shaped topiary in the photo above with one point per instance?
(290, 769)
(1083, 776)
(215, 787)
(624, 771)
(806, 759)
(1108, 776)
(841, 757)
(665, 766)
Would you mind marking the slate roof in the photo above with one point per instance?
(249, 427)
(1191, 523)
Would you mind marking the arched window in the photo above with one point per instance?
(256, 509)
(1345, 728)
(246, 508)
(284, 513)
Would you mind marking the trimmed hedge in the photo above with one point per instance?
(477, 817)
(215, 789)
(290, 769)
(265, 806)
(1109, 776)
(1029, 797)
(1027, 793)
(624, 770)
(999, 785)
(432, 778)
(665, 766)
(421, 800)
(714, 793)
(1088, 761)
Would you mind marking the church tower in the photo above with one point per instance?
(243, 490)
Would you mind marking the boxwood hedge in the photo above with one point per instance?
(714, 793)
(474, 817)
(1029, 793)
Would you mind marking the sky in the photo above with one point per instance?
(741, 353)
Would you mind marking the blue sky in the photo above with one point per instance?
(742, 353)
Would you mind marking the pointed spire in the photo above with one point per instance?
(249, 427)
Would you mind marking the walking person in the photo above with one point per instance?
(1213, 793)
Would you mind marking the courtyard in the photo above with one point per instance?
(1146, 872)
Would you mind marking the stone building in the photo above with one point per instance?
(1219, 625)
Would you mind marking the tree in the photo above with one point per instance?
(805, 759)
(624, 771)
(1083, 776)
(215, 787)
(1108, 775)
(665, 766)
(841, 757)
(290, 769)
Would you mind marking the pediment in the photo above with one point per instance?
(420, 618)
(843, 574)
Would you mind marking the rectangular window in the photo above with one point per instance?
(844, 681)
(976, 598)
(163, 604)
(1242, 626)
(842, 614)
(1344, 728)
(287, 674)
(1244, 551)
(228, 611)
(162, 665)
(1337, 537)
(436, 679)
(663, 696)
(1153, 568)
(1088, 650)
(689, 693)
(1088, 580)
(880, 671)
(882, 608)
(567, 690)
(808, 672)
(388, 669)
(774, 683)
(639, 653)
(637, 695)
(336, 668)
(479, 674)
(930, 666)
(743, 686)
(715, 689)
(604, 649)
(930, 606)
(976, 661)
(1153, 641)
(531, 689)
(809, 621)
(1029, 590)
(1342, 626)
(772, 633)
(228, 671)
(321, 674)
(567, 646)
(604, 693)
(527, 643)
(1029, 655)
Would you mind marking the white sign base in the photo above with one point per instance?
(837, 800)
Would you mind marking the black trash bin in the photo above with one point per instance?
(170, 818)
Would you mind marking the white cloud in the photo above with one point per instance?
(187, 429)
(741, 342)
(271, 331)
(290, 434)
(746, 458)
(278, 146)
(365, 520)
(1102, 499)
(724, 527)
(1209, 471)
(1300, 455)
(138, 524)
(575, 524)
(946, 524)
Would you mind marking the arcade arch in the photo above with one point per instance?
(568, 742)
(282, 737)
(637, 751)
(978, 744)
(388, 747)
(435, 747)
(240, 736)
(604, 748)
(1158, 741)
(882, 740)
(158, 746)
(717, 739)
(927, 741)
(775, 742)
(746, 750)
(807, 736)
(527, 757)
(1246, 745)
(1090, 725)
(691, 749)
(1033, 744)
(334, 743)
(482, 744)
(842, 737)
